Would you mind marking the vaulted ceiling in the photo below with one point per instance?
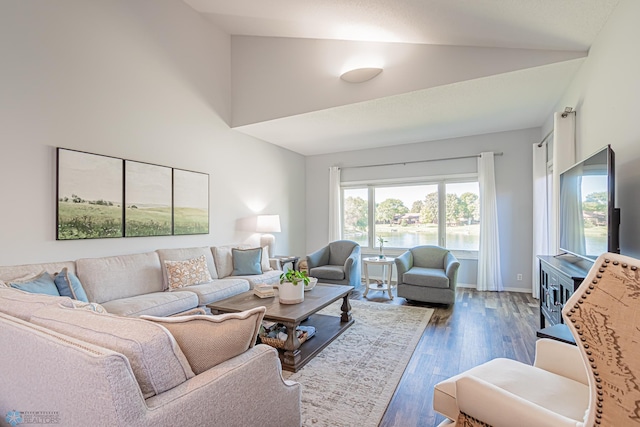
(451, 67)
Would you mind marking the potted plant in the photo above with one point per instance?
(291, 289)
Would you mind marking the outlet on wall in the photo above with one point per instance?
(519, 276)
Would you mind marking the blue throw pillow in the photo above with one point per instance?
(246, 262)
(69, 285)
(41, 284)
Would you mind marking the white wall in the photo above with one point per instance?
(606, 96)
(136, 79)
(513, 184)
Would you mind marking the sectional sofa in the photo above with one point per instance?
(118, 361)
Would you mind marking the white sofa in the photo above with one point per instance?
(67, 365)
(136, 284)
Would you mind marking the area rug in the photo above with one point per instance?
(351, 382)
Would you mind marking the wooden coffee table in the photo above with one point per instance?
(294, 355)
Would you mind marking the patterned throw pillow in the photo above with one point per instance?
(186, 273)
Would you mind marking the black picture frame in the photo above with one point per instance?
(190, 202)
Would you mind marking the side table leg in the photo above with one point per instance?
(346, 309)
(366, 276)
(389, 271)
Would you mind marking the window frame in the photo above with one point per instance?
(439, 181)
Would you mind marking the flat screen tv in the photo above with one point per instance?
(589, 221)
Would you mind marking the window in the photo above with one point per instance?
(410, 215)
(355, 221)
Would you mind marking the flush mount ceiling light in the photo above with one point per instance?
(360, 75)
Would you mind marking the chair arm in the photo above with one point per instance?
(561, 359)
(499, 408)
(317, 258)
(403, 263)
(451, 268)
(352, 267)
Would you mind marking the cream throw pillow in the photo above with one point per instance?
(207, 340)
(186, 273)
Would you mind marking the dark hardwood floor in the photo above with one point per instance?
(479, 327)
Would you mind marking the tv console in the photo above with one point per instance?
(560, 276)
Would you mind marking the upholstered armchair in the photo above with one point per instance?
(427, 274)
(591, 384)
(338, 263)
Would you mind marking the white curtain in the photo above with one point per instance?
(541, 211)
(564, 156)
(489, 276)
(335, 214)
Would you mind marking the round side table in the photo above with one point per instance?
(387, 268)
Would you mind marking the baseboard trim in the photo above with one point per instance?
(508, 289)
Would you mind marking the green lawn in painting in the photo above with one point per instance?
(147, 221)
(88, 220)
(190, 221)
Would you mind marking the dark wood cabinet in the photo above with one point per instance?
(560, 276)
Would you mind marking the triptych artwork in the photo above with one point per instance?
(100, 197)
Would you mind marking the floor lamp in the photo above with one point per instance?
(268, 224)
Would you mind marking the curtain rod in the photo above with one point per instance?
(545, 138)
(500, 153)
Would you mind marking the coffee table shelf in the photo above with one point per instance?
(295, 355)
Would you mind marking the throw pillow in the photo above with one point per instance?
(207, 341)
(69, 285)
(156, 360)
(186, 273)
(265, 264)
(40, 284)
(246, 262)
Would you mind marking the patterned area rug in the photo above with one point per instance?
(351, 382)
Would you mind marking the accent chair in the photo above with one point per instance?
(427, 274)
(338, 263)
(591, 384)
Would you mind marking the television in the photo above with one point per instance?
(589, 222)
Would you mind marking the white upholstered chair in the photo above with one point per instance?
(596, 383)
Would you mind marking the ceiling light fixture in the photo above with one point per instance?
(360, 75)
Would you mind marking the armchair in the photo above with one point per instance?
(593, 383)
(427, 274)
(338, 262)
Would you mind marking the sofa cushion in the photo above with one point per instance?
(224, 259)
(429, 256)
(328, 272)
(153, 304)
(246, 262)
(269, 277)
(69, 285)
(181, 254)
(217, 290)
(41, 283)
(110, 278)
(189, 272)
(208, 340)
(156, 360)
(13, 272)
(551, 391)
(429, 277)
(21, 304)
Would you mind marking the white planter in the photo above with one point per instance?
(288, 293)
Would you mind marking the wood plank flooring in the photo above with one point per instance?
(479, 327)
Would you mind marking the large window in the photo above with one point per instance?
(440, 213)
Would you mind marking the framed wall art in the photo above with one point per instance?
(89, 196)
(147, 200)
(190, 202)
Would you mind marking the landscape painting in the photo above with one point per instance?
(90, 196)
(147, 200)
(190, 202)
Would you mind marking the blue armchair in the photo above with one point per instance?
(338, 263)
(427, 274)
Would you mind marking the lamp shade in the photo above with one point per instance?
(268, 224)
